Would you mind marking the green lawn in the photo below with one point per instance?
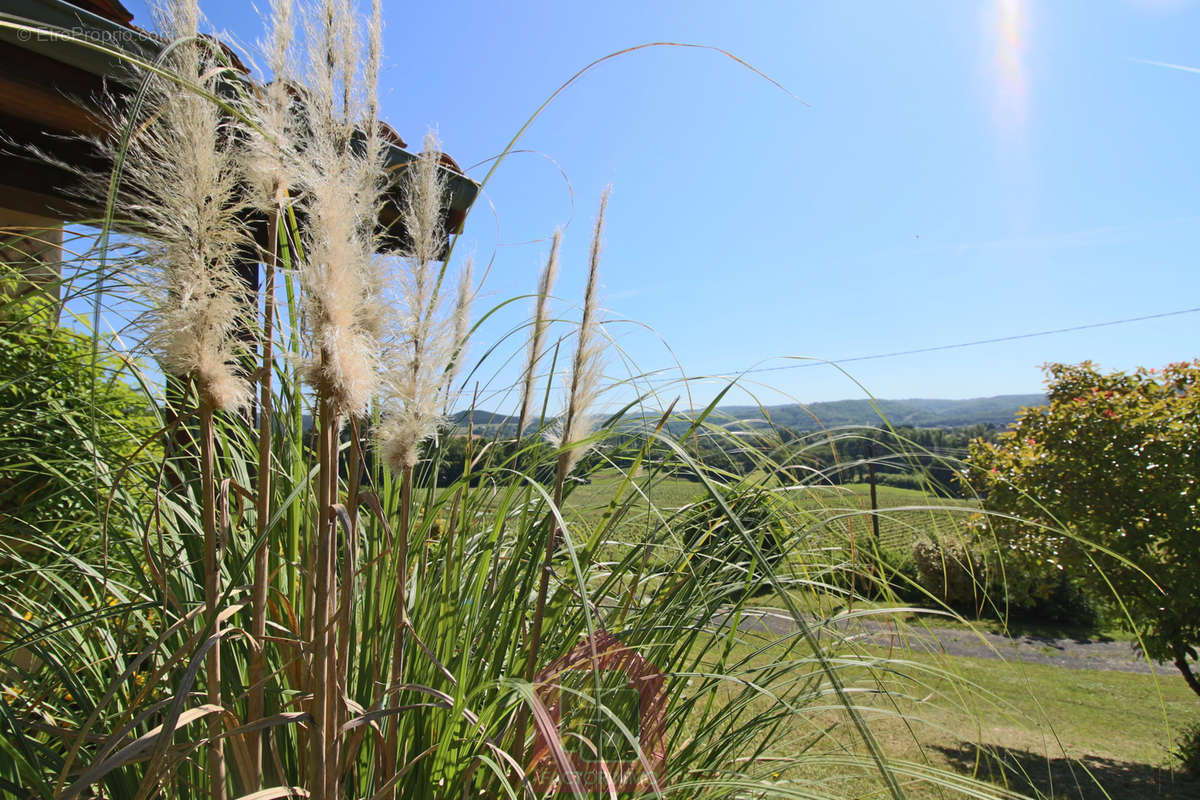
(642, 506)
(593, 499)
(1071, 733)
(1040, 730)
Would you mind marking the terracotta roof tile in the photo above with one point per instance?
(109, 9)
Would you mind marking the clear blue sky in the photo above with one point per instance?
(961, 171)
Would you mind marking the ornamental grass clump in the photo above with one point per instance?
(181, 187)
(340, 187)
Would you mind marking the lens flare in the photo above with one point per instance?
(1012, 82)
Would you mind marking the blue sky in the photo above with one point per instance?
(957, 171)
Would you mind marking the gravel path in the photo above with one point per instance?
(1070, 653)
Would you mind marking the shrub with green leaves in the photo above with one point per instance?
(951, 572)
(1103, 483)
(70, 427)
(970, 575)
(1187, 750)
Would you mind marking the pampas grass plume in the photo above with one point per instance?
(182, 185)
(342, 187)
(424, 335)
(270, 155)
(587, 367)
(462, 329)
(537, 336)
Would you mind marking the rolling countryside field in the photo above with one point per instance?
(1037, 729)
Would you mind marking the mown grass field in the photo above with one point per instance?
(831, 519)
(1039, 730)
(904, 513)
(844, 510)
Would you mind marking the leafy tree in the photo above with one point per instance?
(1105, 477)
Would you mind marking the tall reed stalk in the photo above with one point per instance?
(255, 703)
(182, 185)
(212, 593)
(341, 186)
(426, 345)
(586, 370)
(269, 171)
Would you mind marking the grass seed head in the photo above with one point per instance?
(270, 154)
(587, 367)
(537, 336)
(424, 332)
(181, 184)
(342, 187)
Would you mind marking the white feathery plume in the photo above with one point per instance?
(177, 19)
(342, 187)
(347, 49)
(537, 336)
(180, 184)
(423, 338)
(269, 160)
(371, 69)
(587, 367)
(462, 329)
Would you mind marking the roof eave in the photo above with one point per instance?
(112, 51)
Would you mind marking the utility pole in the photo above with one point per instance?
(871, 478)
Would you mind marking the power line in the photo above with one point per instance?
(896, 353)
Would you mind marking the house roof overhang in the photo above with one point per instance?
(56, 59)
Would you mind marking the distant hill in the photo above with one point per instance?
(919, 413)
(485, 420)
